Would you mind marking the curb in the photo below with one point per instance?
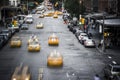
(100, 51)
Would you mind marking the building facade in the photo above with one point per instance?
(14, 2)
(109, 6)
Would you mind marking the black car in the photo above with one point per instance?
(12, 31)
(5, 37)
(116, 77)
(7, 32)
(75, 29)
(111, 70)
(1, 42)
(71, 28)
(70, 25)
(77, 33)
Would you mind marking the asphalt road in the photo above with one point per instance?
(80, 63)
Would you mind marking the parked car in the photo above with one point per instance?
(78, 32)
(12, 31)
(4, 37)
(84, 38)
(89, 43)
(71, 28)
(69, 25)
(116, 77)
(75, 28)
(110, 70)
(13, 28)
(1, 41)
(7, 32)
(80, 37)
(21, 19)
(33, 11)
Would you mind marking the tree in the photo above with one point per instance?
(74, 7)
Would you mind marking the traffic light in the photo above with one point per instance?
(82, 20)
(106, 34)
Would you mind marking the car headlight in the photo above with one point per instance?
(26, 79)
(14, 78)
(7, 34)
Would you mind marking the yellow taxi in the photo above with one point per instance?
(53, 40)
(34, 46)
(49, 14)
(21, 74)
(41, 16)
(16, 41)
(58, 12)
(33, 38)
(55, 59)
(55, 16)
(39, 26)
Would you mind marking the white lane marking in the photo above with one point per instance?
(67, 74)
(40, 75)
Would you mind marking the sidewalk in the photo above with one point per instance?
(110, 51)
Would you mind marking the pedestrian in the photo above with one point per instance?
(96, 77)
(65, 19)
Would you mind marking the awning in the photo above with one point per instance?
(110, 22)
(98, 16)
(10, 8)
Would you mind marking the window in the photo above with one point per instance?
(14, 3)
(9, 2)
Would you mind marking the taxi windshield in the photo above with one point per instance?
(15, 38)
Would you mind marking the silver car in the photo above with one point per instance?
(89, 43)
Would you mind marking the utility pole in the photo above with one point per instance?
(4, 14)
(27, 6)
(116, 7)
(103, 43)
(62, 5)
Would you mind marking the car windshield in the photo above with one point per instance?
(53, 38)
(24, 25)
(116, 69)
(5, 31)
(29, 18)
(34, 43)
(15, 38)
(55, 55)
